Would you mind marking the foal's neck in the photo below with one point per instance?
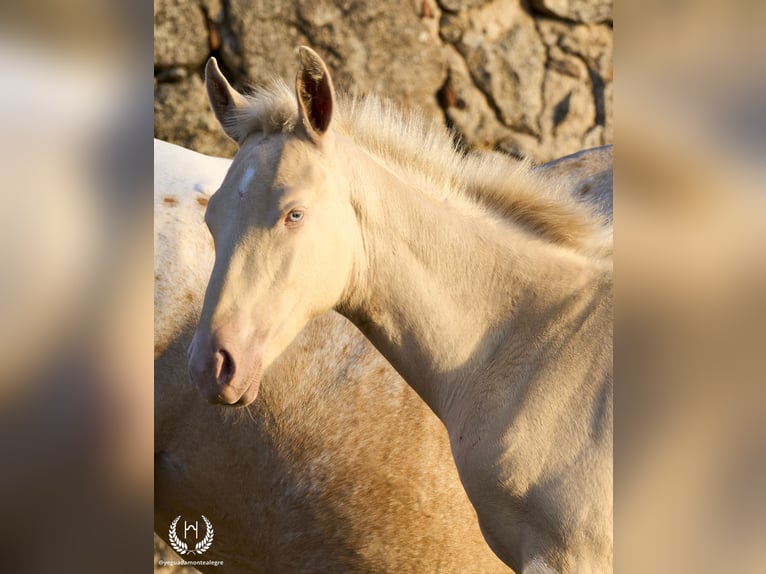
(442, 288)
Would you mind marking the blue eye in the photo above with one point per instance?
(295, 216)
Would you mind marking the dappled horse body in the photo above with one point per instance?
(586, 175)
(488, 291)
(338, 467)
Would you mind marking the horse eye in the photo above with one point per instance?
(295, 216)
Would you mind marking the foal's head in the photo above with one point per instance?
(284, 230)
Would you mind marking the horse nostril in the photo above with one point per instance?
(224, 367)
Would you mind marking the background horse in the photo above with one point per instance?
(489, 293)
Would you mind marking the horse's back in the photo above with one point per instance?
(175, 167)
(586, 174)
(184, 180)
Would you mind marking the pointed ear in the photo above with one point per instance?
(316, 96)
(224, 99)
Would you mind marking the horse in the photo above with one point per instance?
(587, 175)
(339, 467)
(188, 457)
(488, 292)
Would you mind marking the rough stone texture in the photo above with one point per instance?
(586, 11)
(503, 77)
(458, 5)
(180, 33)
(368, 46)
(506, 59)
(580, 69)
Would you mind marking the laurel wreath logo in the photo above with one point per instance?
(181, 547)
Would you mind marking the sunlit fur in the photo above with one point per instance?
(487, 288)
(425, 151)
(331, 403)
(338, 467)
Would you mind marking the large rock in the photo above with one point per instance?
(368, 46)
(506, 58)
(578, 85)
(472, 117)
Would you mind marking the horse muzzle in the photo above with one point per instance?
(222, 371)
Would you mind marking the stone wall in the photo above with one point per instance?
(528, 78)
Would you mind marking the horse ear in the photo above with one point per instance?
(224, 99)
(313, 88)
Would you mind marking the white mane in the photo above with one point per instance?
(424, 151)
